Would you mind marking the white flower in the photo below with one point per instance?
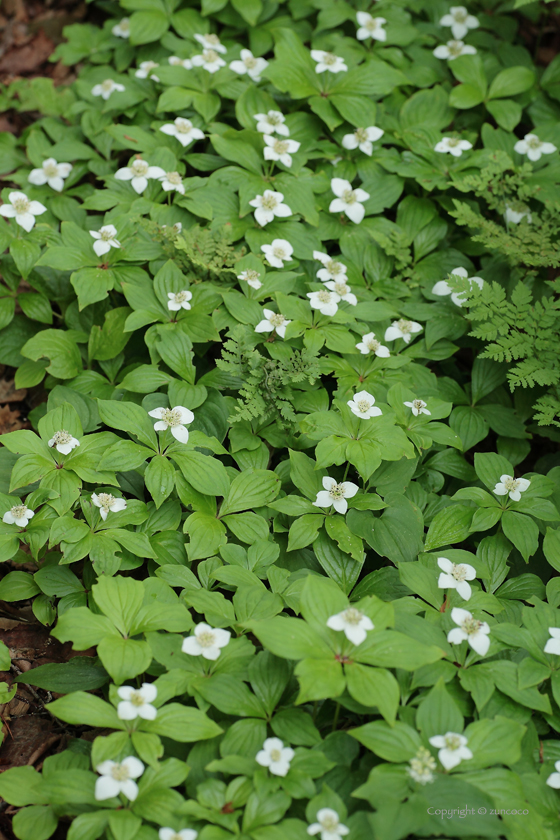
(18, 515)
(452, 749)
(332, 270)
(175, 61)
(106, 88)
(348, 200)
(363, 405)
(470, 630)
(369, 344)
(326, 302)
(179, 300)
(51, 173)
(183, 834)
(370, 27)
(554, 779)
(516, 212)
(460, 21)
(137, 702)
(354, 624)
(251, 277)
(118, 777)
(533, 147)
(453, 49)
(175, 419)
(455, 576)
(268, 206)
(514, 486)
(417, 407)
(211, 42)
(328, 825)
(402, 329)
(122, 29)
(183, 130)
(278, 252)
(272, 123)
(108, 503)
(172, 181)
(138, 173)
(362, 139)
(442, 287)
(422, 766)
(277, 149)
(335, 494)
(64, 442)
(249, 64)
(273, 321)
(209, 60)
(328, 61)
(275, 756)
(206, 641)
(344, 291)
(176, 228)
(553, 644)
(105, 239)
(453, 146)
(22, 210)
(145, 70)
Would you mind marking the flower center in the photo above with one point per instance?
(276, 755)
(455, 47)
(341, 289)
(453, 141)
(329, 823)
(404, 326)
(21, 205)
(363, 406)
(280, 253)
(50, 169)
(471, 626)
(269, 202)
(353, 616)
(251, 276)
(361, 135)
(107, 84)
(459, 572)
(280, 147)
(106, 234)
(183, 126)
(511, 484)
(18, 511)
(349, 197)
(149, 65)
(275, 118)
(212, 39)
(534, 143)
(174, 178)
(139, 168)
(136, 699)
(276, 320)
(62, 437)
(372, 24)
(210, 56)
(206, 639)
(173, 59)
(329, 59)
(373, 344)
(460, 15)
(170, 415)
(124, 25)
(250, 62)
(418, 404)
(452, 742)
(323, 296)
(337, 492)
(106, 500)
(120, 773)
(180, 297)
(334, 267)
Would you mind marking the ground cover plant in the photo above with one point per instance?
(285, 273)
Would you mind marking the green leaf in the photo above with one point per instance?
(206, 474)
(374, 687)
(250, 489)
(128, 417)
(182, 723)
(86, 710)
(522, 531)
(466, 96)
(291, 638)
(230, 695)
(506, 112)
(18, 586)
(37, 822)
(82, 673)
(160, 479)
(319, 679)
(511, 81)
(124, 658)
(496, 741)
(338, 565)
(399, 532)
(232, 147)
(438, 712)
(398, 743)
(119, 599)
(65, 361)
(451, 525)
(148, 26)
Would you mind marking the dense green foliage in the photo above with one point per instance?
(283, 482)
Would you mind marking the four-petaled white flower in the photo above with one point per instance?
(137, 702)
(182, 834)
(145, 70)
(208, 60)
(516, 212)
(175, 419)
(22, 210)
(18, 515)
(175, 61)
(512, 486)
(553, 780)
(553, 644)
(122, 29)
(363, 405)
(348, 200)
(63, 442)
(363, 139)
(278, 252)
(118, 777)
(251, 277)
(370, 27)
(250, 64)
(443, 288)
(179, 300)
(272, 123)
(453, 146)
(335, 494)
(460, 21)
(211, 42)
(107, 503)
(417, 407)
(402, 329)
(172, 181)
(470, 630)
(422, 767)
(452, 749)
(326, 302)
(328, 825)
(273, 321)
(268, 206)
(533, 147)
(453, 49)
(455, 576)
(106, 238)
(369, 344)
(51, 173)
(278, 149)
(106, 88)
(328, 61)
(343, 290)
(183, 130)
(207, 641)
(332, 270)
(139, 172)
(275, 756)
